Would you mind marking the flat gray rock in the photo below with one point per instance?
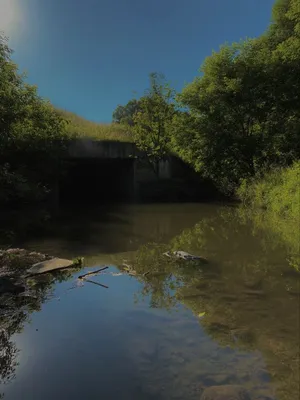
(225, 392)
(49, 265)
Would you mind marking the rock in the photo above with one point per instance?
(225, 392)
(185, 256)
(49, 265)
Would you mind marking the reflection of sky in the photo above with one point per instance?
(93, 343)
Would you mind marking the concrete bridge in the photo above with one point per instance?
(104, 149)
(110, 171)
(107, 171)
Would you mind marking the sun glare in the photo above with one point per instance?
(9, 15)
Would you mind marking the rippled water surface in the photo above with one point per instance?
(169, 331)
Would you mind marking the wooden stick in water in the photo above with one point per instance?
(92, 273)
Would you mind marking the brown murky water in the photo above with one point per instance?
(166, 334)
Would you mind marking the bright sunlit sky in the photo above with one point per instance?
(88, 56)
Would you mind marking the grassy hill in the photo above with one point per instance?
(81, 127)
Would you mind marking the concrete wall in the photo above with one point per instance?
(145, 173)
(87, 148)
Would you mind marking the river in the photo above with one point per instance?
(172, 330)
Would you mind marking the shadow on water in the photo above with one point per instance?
(173, 329)
(113, 228)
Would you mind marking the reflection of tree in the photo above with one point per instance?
(191, 238)
(8, 355)
(157, 284)
(14, 313)
(158, 290)
(274, 230)
(249, 294)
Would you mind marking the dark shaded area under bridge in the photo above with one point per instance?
(112, 172)
(97, 180)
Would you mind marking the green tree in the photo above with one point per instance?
(125, 114)
(221, 130)
(244, 111)
(152, 123)
(32, 136)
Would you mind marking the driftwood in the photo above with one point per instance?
(92, 273)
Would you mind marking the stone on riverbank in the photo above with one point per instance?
(16, 265)
(50, 265)
(225, 392)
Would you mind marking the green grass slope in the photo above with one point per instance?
(81, 127)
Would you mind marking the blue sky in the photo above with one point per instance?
(88, 56)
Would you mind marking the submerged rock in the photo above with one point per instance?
(225, 392)
(50, 265)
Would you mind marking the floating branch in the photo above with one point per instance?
(92, 273)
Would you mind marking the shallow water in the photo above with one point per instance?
(164, 335)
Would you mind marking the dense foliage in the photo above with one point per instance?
(241, 116)
(125, 114)
(278, 191)
(32, 136)
(244, 110)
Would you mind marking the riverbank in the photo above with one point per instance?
(278, 192)
(18, 266)
(272, 203)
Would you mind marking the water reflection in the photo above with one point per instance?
(171, 332)
(247, 297)
(116, 229)
(15, 310)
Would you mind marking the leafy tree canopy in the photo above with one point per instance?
(125, 114)
(152, 123)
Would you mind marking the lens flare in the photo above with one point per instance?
(9, 15)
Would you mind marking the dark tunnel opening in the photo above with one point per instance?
(97, 181)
